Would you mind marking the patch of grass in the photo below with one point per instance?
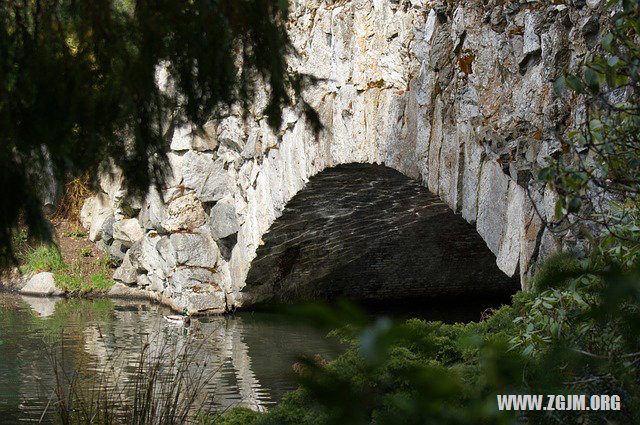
(73, 282)
(45, 258)
(68, 282)
(100, 282)
(107, 262)
(86, 252)
(76, 233)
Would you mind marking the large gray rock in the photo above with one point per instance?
(128, 230)
(473, 154)
(192, 277)
(202, 302)
(42, 284)
(118, 250)
(181, 139)
(167, 252)
(100, 218)
(230, 133)
(492, 204)
(184, 213)
(208, 177)
(510, 247)
(197, 290)
(158, 257)
(153, 212)
(131, 266)
(107, 229)
(531, 38)
(86, 212)
(205, 139)
(187, 137)
(195, 249)
(224, 220)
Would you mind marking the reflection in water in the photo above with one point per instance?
(246, 358)
(45, 307)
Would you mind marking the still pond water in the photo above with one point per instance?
(246, 358)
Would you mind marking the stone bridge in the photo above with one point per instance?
(457, 98)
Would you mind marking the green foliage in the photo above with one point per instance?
(68, 282)
(600, 182)
(20, 237)
(235, 416)
(78, 88)
(100, 282)
(44, 258)
(77, 233)
(47, 258)
(419, 372)
(413, 372)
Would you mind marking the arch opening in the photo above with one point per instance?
(370, 234)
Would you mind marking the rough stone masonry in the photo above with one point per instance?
(458, 95)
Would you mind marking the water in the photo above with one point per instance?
(247, 358)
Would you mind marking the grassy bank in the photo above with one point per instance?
(88, 272)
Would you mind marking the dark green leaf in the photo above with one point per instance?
(559, 85)
(607, 40)
(574, 83)
(574, 205)
(591, 79)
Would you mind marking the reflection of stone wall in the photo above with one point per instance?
(237, 359)
(219, 351)
(458, 97)
(214, 349)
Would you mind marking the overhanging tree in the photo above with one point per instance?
(78, 86)
(598, 182)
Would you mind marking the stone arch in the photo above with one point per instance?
(498, 210)
(369, 233)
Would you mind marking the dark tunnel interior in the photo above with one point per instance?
(369, 234)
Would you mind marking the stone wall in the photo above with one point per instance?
(459, 97)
